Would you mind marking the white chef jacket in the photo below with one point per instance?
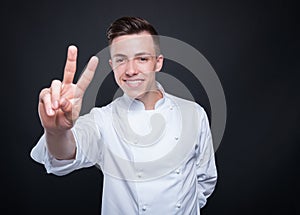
(179, 189)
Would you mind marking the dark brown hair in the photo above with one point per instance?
(131, 25)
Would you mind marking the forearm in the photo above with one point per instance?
(207, 179)
(62, 146)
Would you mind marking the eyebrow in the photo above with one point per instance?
(142, 53)
(137, 54)
(119, 55)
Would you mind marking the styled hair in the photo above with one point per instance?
(131, 25)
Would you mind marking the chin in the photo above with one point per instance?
(134, 95)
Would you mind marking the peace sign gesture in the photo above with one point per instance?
(60, 104)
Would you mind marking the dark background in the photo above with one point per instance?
(252, 45)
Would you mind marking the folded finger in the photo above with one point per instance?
(55, 93)
(45, 99)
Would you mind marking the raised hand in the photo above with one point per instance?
(60, 104)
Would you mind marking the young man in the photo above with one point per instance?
(168, 168)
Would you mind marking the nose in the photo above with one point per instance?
(131, 68)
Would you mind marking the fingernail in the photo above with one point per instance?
(55, 104)
(63, 102)
(50, 112)
(72, 49)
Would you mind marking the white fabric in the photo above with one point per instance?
(181, 190)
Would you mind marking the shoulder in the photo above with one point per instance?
(187, 104)
(107, 108)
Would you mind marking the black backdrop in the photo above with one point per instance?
(252, 45)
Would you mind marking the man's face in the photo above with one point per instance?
(134, 62)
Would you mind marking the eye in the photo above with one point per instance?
(119, 60)
(143, 59)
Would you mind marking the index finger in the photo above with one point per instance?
(70, 67)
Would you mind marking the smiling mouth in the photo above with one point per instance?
(134, 83)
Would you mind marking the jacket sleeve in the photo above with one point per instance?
(205, 162)
(88, 147)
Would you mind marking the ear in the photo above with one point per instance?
(159, 63)
(110, 63)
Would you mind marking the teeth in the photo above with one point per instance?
(133, 82)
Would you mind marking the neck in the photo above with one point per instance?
(150, 98)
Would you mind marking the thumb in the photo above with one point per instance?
(67, 107)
